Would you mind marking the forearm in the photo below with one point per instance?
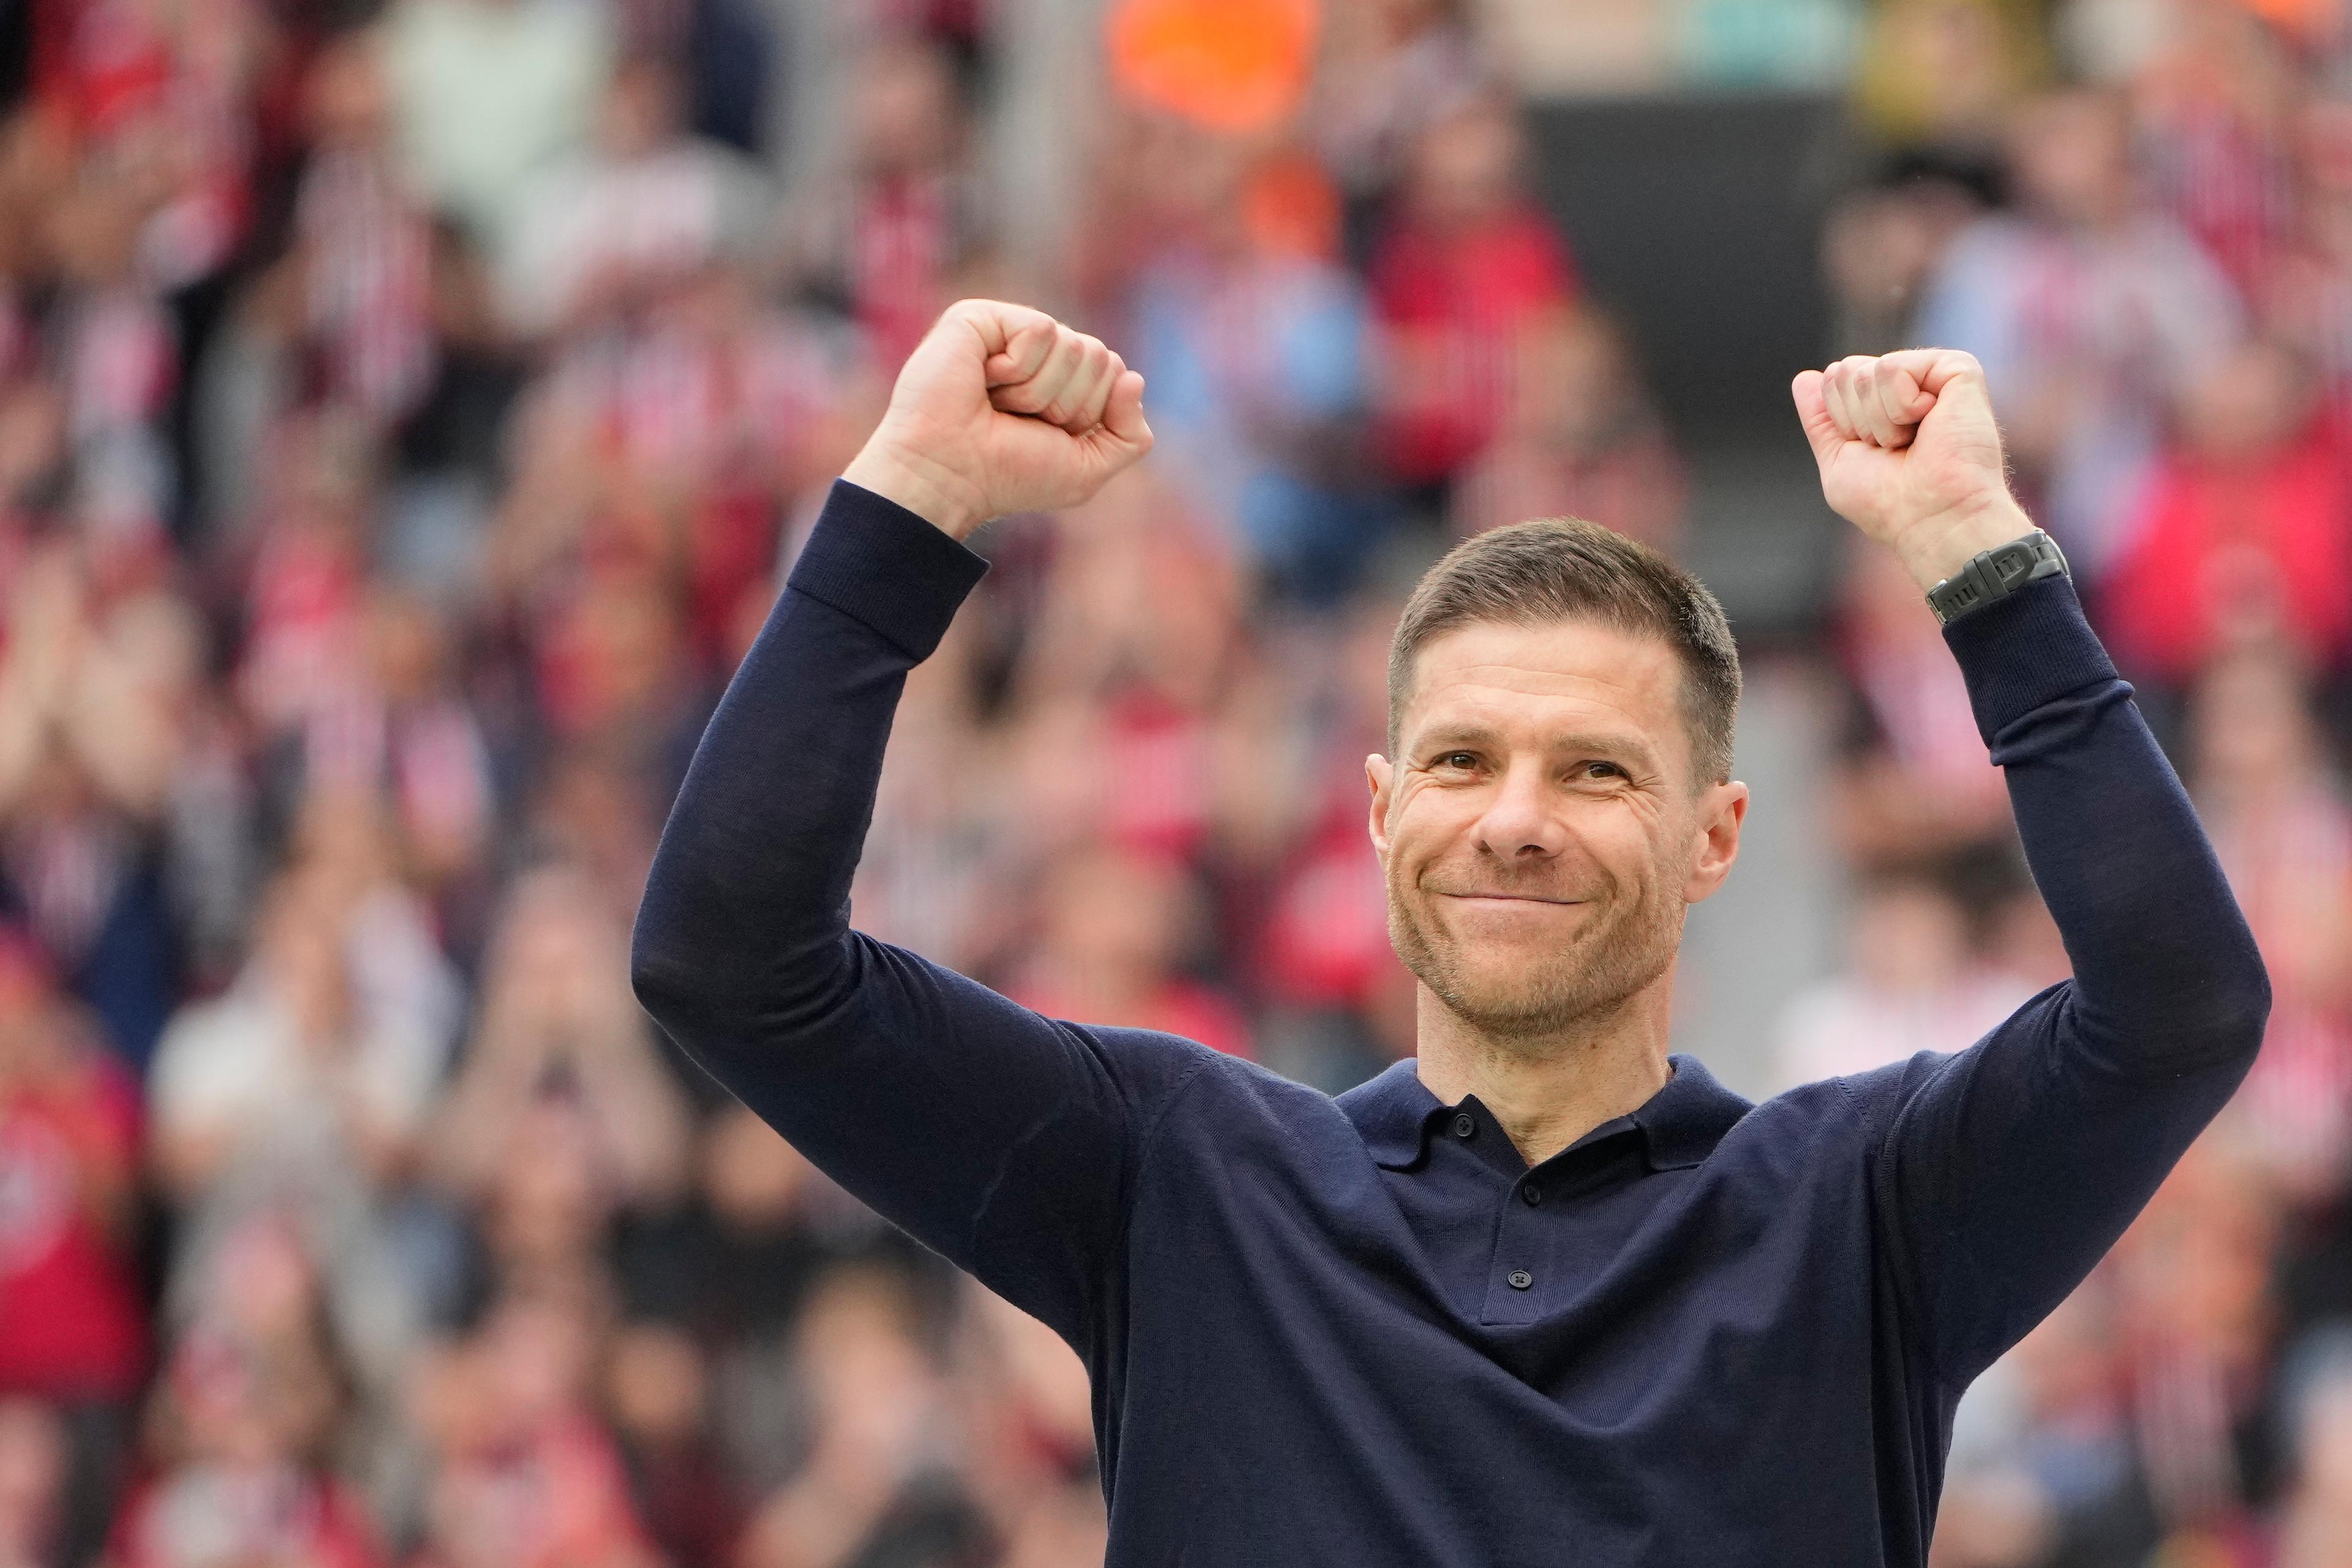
(2167, 976)
(2007, 1170)
(2012, 1166)
(747, 901)
(1001, 1140)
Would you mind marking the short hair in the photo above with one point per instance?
(1564, 568)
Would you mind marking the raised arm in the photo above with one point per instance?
(2007, 1170)
(1001, 1140)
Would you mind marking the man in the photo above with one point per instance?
(1544, 1294)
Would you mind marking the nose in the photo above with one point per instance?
(1522, 819)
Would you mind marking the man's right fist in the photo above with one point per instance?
(1002, 408)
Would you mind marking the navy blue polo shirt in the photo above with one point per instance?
(1360, 1330)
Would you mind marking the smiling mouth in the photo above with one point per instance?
(1507, 899)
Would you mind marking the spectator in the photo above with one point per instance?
(1945, 71)
(641, 203)
(1465, 270)
(363, 251)
(2045, 1467)
(759, 1245)
(488, 92)
(1914, 982)
(879, 1475)
(406, 417)
(2089, 313)
(1112, 929)
(558, 1030)
(32, 1484)
(2244, 529)
(297, 1065)
(1140, 627)
(1033, 1464)
(1580, 439)
(239, 1472)
(2218, 108)
(91, 694)
(1389, 70)
(659, 1390)
(2316, 1524)
(2197, 1324)
(735, 1272)
(73, 1323)
(2275, 806)
(303, 648)
(411, 739)
(891, 232)
(1253, 340)
(939, 865)
(1307, 901)
(1881, 244)
(525, 1475)
(71, 1326)
(117, 358)
(1912, 784)
(545, 1215)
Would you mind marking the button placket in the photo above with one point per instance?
(1526, 1240)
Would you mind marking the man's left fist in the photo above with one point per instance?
(1003, 408)
(1910, 455)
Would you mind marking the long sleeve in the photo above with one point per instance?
(1003, 1141)
(2009, 1169)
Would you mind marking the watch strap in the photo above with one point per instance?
(1996, 574)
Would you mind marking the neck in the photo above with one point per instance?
(1549, 1089)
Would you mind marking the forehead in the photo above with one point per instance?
(1542, 677)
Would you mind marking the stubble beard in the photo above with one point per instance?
(1625, 945)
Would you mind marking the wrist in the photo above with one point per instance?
(920, 484)
(1936, 552)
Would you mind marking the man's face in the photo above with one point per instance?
(1539, 830)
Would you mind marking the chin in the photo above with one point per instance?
(1499, 1016)
(1507, 991)
(1528, 977)
(1531, 988)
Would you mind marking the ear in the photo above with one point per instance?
(1378, 771)
(1720, 810)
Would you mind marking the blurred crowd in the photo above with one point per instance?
(409, 407)
(2140, 219)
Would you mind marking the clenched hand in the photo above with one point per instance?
(1910, 455)
(1002, 408)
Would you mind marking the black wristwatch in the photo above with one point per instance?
(1996, 574)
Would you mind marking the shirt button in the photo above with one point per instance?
(1520, 1278)
(1532, 1193)
(1464, 1126)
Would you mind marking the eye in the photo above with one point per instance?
(1458, 759)
(1605, 771)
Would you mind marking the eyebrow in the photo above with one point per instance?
(1605, 743)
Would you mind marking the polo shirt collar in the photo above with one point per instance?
(1680, 1124)
(1684, 1121)
(1392, 1111)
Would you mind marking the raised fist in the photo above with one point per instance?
(1002, 408)
(1910, 455)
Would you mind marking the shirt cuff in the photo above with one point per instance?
(2020, 652)
(874, 561)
